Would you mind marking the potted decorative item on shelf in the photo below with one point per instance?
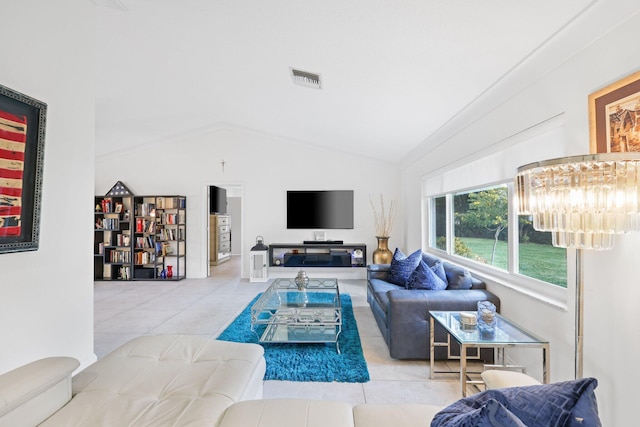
(384, 218)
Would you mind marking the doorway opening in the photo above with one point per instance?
(224, 225)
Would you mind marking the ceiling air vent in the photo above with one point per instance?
(305, 78)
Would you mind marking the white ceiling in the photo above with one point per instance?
(393, 71)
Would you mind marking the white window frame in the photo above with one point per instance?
(548, 292)
(492, 166)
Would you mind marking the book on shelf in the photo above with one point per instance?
(169, 218)
(144, 242)
(144, 258)
(167, 234)
(107, 224)
(145, 225)
(172, 203)
(145, 209)
(105, 204)
(119, 257)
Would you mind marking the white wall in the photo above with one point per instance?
(46, 296)
(557, 80)
(265, 167)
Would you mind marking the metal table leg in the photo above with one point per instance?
(463, 369)
(431, 347)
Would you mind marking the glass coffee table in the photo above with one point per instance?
(286, 314)
(506, 335)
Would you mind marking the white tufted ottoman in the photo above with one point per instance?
(164, 380)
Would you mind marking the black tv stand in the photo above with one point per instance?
(325, 253)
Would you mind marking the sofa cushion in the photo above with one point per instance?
(402, 266)
(290, 412)
(379, 289)
(164, 380)
(393, 414)
(457, 277)
(566, 403)
(424, 277)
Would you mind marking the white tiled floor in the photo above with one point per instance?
(206, 306)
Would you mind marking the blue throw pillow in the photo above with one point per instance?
(424, 277)
(458, 277)
(436, 265)
(438, 268)
(402, 266)
(557, 404)
(431, 260)
(490, 414)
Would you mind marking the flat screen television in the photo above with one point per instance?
(217, 200)
(320, 209)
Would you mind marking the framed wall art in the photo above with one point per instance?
(614, 116)
(22, 130)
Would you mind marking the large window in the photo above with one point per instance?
(440, 222)
(538, 258)
(481, 232)
(481, 219)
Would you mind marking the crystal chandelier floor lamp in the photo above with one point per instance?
(583, 201)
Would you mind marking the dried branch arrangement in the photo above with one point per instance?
(384, 218)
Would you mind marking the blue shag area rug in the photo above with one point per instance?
(308, 362)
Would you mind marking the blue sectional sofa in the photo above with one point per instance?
(402, 314)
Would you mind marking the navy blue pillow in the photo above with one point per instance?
(491, 414)
(424, 277)
(402, 266)
(557, 404)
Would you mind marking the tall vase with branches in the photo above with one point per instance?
(384, 218)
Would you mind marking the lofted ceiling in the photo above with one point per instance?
(393, 71)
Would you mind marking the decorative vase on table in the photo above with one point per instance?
(382, 255)
(486, 319)
(302, 281)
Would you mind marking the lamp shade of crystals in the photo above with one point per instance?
(582, 200)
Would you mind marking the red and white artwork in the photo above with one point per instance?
(13, 138)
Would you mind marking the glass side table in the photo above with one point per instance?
(506, 335)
